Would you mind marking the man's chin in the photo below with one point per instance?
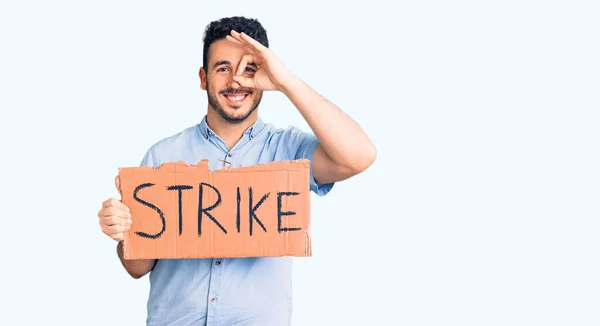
(234, 118)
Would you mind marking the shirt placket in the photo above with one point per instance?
(216, 272)
(214, 292)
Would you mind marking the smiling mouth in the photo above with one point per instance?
(235, 98)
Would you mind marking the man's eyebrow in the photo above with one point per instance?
(219, 63)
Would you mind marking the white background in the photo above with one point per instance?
(482, 206)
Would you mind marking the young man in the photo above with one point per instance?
(238, 67)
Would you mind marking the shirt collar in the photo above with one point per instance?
(251, 132)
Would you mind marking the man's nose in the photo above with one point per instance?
(232, 83)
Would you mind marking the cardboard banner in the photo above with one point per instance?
(188, 211)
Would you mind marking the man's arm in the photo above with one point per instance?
(136, 268)
(344, 149)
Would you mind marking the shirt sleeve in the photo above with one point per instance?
(149, 159)
(302, 145)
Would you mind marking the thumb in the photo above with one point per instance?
(244, 81)
(118, 183)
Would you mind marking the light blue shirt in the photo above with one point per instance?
(234, 291)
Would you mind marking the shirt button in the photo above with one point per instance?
(213, 299)
(218, 262)
(230, 155)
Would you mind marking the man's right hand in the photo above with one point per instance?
(114, 216)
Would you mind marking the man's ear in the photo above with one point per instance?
(202, 74)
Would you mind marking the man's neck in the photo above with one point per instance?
(231, 133)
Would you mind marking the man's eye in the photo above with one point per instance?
(250, 70)
(222, 69)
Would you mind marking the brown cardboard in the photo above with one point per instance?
(150, 191)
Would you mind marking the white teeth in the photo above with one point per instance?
(236, 98)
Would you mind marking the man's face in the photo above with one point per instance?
(233, 102)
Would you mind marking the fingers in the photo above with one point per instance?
(246, 58)
(114, 218)
(245, 81)
(114, 229)
(118, 183)
(244, 38)
(114, 214)
(248, 47)
(238, 37)
(111, 220)
(230, 38)
(113, 202)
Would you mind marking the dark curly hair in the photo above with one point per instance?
(218, 29)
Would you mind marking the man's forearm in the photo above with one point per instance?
(136, 268)
(340, 136)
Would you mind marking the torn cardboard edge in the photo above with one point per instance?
(288, 165)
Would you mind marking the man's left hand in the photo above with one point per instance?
(271, 75)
